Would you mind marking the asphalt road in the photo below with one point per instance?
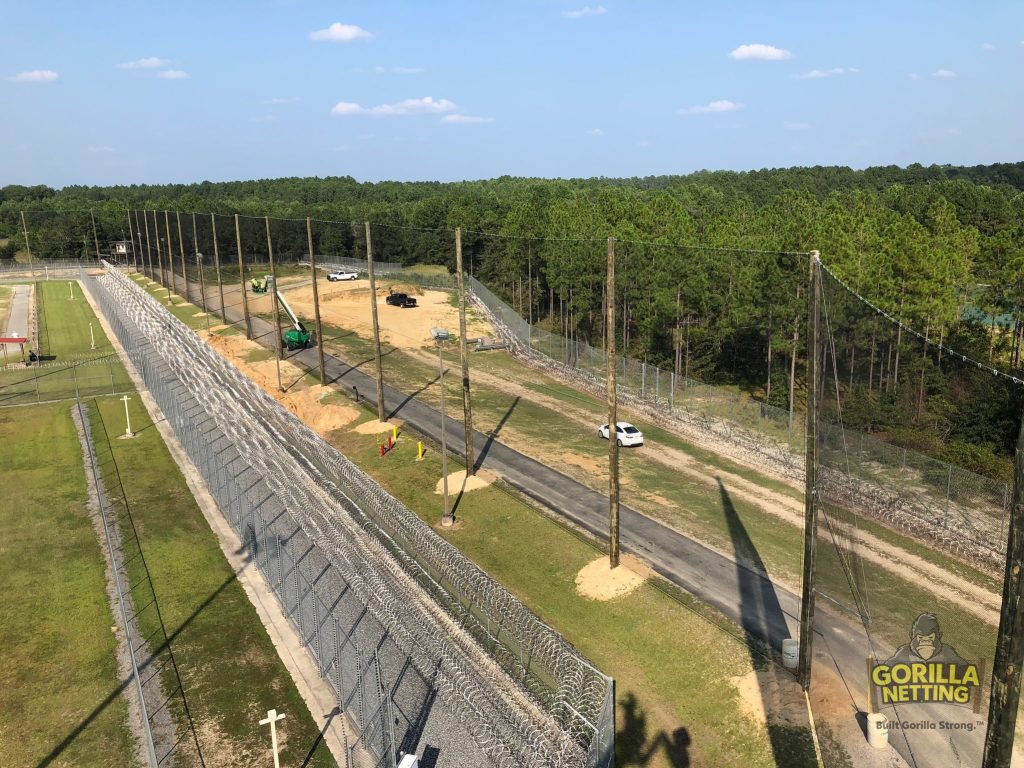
(765, 610)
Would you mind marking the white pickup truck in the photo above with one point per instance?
(343, 274)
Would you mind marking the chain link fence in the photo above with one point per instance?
(405, 617)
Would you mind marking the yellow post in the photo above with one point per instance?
(394, 434)
(419, 451)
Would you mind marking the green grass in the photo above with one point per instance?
(229, 666)
(57, 669)
(648, 641)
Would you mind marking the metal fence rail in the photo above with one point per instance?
(361, 576)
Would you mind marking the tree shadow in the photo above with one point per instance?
(634, 746)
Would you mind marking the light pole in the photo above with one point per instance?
(271, 719)
(448, 518)
(202, 288)
(71, 290)
(92, 338)
(127, 418)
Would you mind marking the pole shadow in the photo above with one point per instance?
(493, 434)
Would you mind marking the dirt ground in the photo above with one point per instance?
(347, 305)
(598, 581)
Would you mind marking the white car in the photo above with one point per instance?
(625, 434)
(345, 274)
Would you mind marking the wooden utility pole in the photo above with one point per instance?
(216, 263)
(448, 518)
(376, 327)
(613, 442)
(1006, 669)
(95, 237)
(28, 248)
(173, 287)
(138, 233)
(181, 249)
(814, 360)
(160, 256)
(467, 405)
(131, 236)
(241, 280)
(316, 304)
(149, 248)
(202, 273)
(272, 288)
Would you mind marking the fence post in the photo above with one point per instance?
(110, 371)
(241, 281)
(672, 390)
(949, 489)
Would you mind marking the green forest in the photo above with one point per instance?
(712, 271)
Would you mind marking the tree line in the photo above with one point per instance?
(712, 267)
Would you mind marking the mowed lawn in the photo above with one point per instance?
(58, 675)
(229, 667)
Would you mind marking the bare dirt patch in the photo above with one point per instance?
(597, 580)
(374, 427)
(347, 305)
(458, 480)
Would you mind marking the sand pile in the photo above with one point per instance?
(598, 581)
(457, 481)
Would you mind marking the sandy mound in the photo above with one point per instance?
(457, 481)
(597, 581)
(323, 418)
(771, 694)
(375, 427)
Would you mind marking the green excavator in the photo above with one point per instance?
(296, 337)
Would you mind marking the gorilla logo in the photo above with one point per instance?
(926, 644)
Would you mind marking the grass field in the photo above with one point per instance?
(230, 670)
(58, 676)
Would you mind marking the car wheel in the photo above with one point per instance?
(618, 443)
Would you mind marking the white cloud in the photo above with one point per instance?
(150, 62)
(795, 126)
(595, 132)
(722, 105)
(172, 74)
(100, 150)
(466, 119)
(35, 76)
(943, 73)
(914, 76)
(987, 47)
(815, 74)
(425, 106)
(281, 100)
(408, 70)
(340, 33)
(760, 51)
(585, 11)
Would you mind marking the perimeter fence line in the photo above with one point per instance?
(170, 736)
(957, 510)
(519, 688)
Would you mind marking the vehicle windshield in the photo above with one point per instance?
(631, 430)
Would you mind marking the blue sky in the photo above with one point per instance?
(110, 92)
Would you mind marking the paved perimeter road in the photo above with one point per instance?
(767, 611)
(17, 322)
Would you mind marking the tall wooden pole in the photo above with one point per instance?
(448, 518)
(131, 237)
(95, 237)
(467, 405)
(28, 248)
(149, 248)
(173, 287)
(241, 280)
(202, 273)
(1006, 669)
(613, 442)
(316, 304)
(376, 327)
(181, 249)
(216, 263)
(138, 233)
(160, 256)
(272, 287)
(814, 361)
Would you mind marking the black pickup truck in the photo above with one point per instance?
(400, 299)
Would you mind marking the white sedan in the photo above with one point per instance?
(345, 274)
(625, 434)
